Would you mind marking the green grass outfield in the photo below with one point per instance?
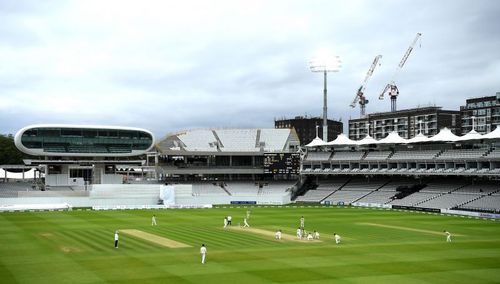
(77, 247)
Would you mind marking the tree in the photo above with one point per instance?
(9, 154)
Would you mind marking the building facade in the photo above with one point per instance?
(481, 113)
(306, 127)
(407, 123)
(78, 155)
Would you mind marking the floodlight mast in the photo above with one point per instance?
(325, 65)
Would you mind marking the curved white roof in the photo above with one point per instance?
(342, 139)
(419, 138)
(229, 140)
(316, 142)
(393, 138)
(495, 134)
(367, 140)
(445, 135)
(471, 135)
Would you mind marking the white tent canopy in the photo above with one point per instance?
(367, 140)
(445, 135)
(419, 138)
(471, 135)
(342, 139)
(316, 142)
(495, 134)
(392, 138)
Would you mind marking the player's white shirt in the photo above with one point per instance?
(309, 237)
(337, 238)
(299, 233)
(316, 235)
(203, 250)
(116, 236)
(229, 218)
(278, 235)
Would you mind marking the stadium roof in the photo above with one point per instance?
(445, 135)
(212, 141)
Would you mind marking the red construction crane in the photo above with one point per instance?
(391, 89)
(360, 97)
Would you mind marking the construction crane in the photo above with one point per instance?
(360, 97)
(391, 89)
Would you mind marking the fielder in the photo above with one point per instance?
(153, 220)
(278, 235)
(310, 237)
(225, 222)
(203, 252)
(448, 236)
(302, 221)
(229, 219)
(337, 238)
(299, 233)
(316, 235)
(116, 239)
(245, 223)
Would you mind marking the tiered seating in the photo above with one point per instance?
(414, 198)
(380, 197)
(495, 153)
(485, 203)
(346, 196)
(55, 148)
(242, 140)
(347, 156)
(199, 140)
(415, 155)
(377, 155)
(479, 188)
(318, 156)
(448, 200)
(274, 139)
(462, 154)
(441, 186)
(363, 184)
(323, 190)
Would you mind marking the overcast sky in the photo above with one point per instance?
(173, 65)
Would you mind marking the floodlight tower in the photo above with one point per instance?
(325, 63)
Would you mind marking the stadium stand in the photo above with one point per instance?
(462, 154)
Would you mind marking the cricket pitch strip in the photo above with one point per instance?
(271, 234)
(154, 238)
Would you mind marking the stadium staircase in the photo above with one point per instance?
(336, 190)
(371, 191)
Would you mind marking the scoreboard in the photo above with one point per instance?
(281, 163)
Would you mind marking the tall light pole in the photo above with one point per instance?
(325, 63)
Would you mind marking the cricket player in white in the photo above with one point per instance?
(448, 236)
(248, 214)
(225, 222)
(229, 220)
(337, 238)
(153, 220)
(278, 235)
(310, 237)
(245, 223)
(203, 252)
(116, 239)
(316, 235)
(302, 221)
(299, 233)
